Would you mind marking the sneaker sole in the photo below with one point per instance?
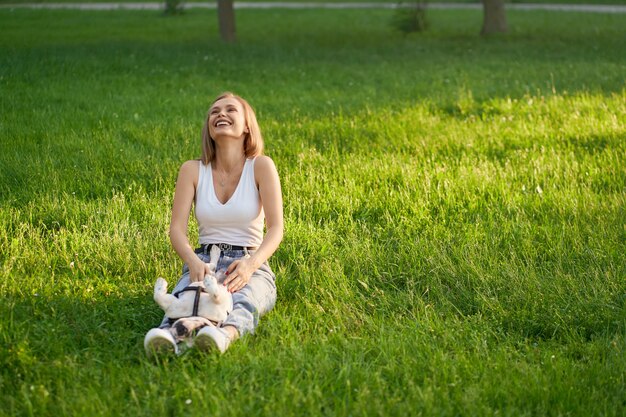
(205, 343)
(160, 346)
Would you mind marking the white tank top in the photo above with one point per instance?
(237, 222)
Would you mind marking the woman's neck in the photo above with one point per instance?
(229, 156)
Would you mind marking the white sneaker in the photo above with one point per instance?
(159, 342)
(209, 338)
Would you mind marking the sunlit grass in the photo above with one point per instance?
(455, 222)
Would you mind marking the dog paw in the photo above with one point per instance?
(209, 281)
(160, 286)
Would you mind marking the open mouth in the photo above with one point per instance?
(221, 123)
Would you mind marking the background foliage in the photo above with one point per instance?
(455, 225)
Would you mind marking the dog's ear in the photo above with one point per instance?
(214, 255)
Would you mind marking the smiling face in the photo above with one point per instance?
(227, 119)
(231, 116)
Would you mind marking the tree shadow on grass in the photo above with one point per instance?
(43, 330)
(60, 352)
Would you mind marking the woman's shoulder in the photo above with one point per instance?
(264, 169)
(263, 162)
(189, 170)
(191, 165)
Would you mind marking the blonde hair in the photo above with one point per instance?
(253, 140)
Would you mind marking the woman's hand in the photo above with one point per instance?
(198, 269)
(238, 274)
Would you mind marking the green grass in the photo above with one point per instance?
(455, 212)
(611, 2)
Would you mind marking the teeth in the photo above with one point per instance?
(222, 123)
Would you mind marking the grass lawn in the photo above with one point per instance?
(455, 212)
(618, 2)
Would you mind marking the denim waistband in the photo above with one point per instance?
(224, 247)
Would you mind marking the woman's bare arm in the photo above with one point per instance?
(181, 209)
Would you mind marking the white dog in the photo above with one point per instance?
(202, 303)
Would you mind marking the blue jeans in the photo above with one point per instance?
(249, 303)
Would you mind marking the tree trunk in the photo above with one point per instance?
(494, 17)
(226, 20)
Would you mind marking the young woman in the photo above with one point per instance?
(236, 192)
